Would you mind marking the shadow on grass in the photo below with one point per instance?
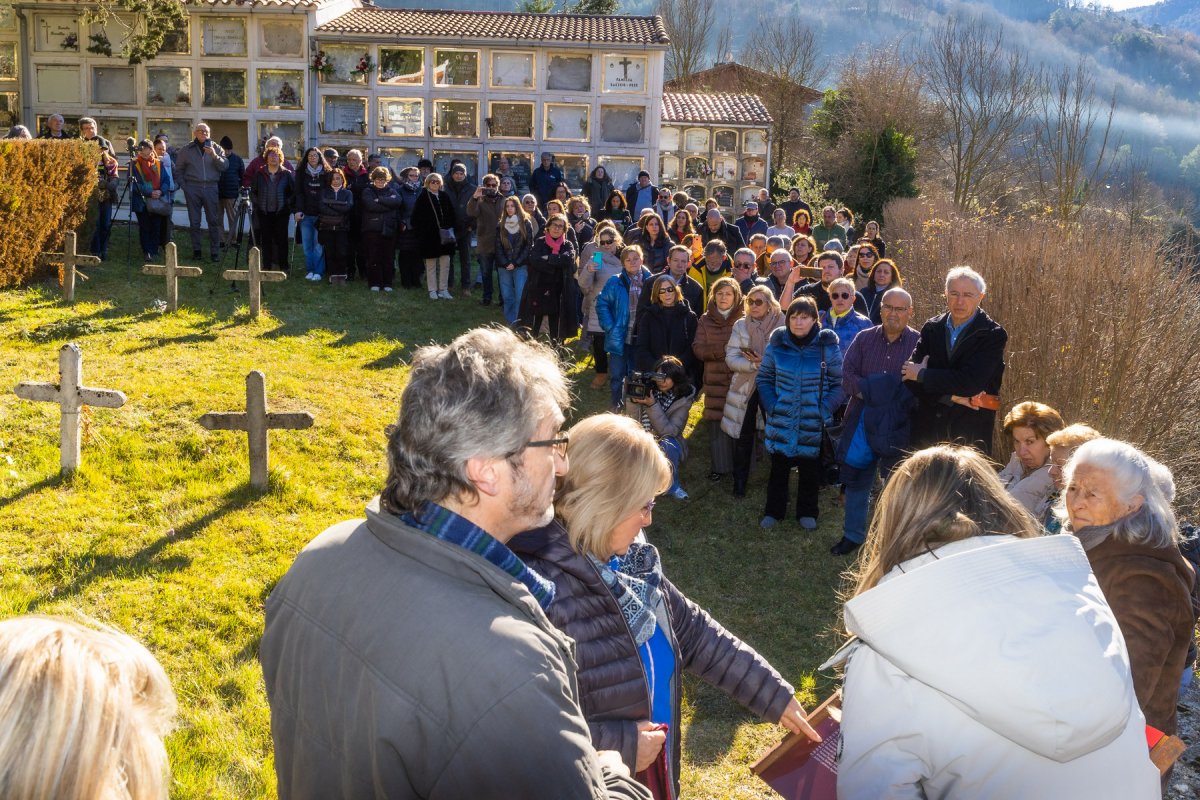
(157, 342)
(392, 359)
(144, 561)
(45, 483)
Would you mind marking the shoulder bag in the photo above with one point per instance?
(445, 235)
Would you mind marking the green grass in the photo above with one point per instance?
(160, 535)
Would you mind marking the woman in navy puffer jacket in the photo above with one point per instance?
(799, 386)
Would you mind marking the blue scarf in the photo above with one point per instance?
(634, 580)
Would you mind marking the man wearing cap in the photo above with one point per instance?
(750, 223)
(545, 179)
(794, 204)
(460, 189)
(715, 227)
(198, 168)
(227, 188)
(665, 207)
(424, 167)
(640, 195)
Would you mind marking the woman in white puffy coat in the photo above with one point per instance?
(986, 662)
(744, 352)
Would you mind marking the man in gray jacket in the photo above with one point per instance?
(198, 168)
(409, 655)
(486, 207)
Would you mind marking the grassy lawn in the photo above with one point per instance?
(160, 535)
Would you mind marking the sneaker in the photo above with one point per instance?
(808, 523)
(845, 547)
(308, 276)
(444, 294)
(678, 493)
(433, 296)
(315, 278)
(767, 522)
(374, 288)
(387, 289)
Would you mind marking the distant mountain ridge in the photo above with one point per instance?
(1182, 15)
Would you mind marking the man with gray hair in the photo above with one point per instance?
(198, 168)
(957, 368)
(877, 424)
(408, 655)
(56, 128)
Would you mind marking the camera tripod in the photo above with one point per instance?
(243, 211)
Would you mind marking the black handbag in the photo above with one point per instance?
(445, 235)
(160, 206)
(831, 435)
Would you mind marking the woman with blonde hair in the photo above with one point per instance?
(984, 659)
(83, 712)
(635, 632)
(1027, 475)
(433, 220)
(740, 419)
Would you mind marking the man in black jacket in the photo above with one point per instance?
(715, 227)
(640, 195)
(957, 368)
(679, 260)
(794, 204)
(460, 189)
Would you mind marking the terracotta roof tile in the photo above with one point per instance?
(499, 25)
(717, 107)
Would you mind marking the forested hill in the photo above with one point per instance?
(1182, 15)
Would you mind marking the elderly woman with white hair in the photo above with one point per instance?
(635, 631)
(1118, 503)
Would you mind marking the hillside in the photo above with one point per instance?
(1181, 15)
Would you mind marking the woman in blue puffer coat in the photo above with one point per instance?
(799, 386)
(613, 313)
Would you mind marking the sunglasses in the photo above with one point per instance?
(758, 302)
(666, 290)
(867, 255)
(840, 295)
(607, 241)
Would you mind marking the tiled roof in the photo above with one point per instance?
(409, 22)
(717, 107)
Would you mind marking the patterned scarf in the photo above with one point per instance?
(634, 580)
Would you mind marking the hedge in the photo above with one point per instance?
(45, 192)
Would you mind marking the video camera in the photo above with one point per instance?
(638, 385)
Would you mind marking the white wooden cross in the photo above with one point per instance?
(69, 258)
(71, 395)
(256, 276)
(173, 272)
(256, 422)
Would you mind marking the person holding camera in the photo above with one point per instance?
(198, 168)
(485, 209)
(617, 313)
(799, 385)
(660, 400)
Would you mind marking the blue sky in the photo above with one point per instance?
(1123, 4)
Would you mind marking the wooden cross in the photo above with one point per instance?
(70, 259)
(71, 395)
(256, 422)
(173, 272)
(256, 276)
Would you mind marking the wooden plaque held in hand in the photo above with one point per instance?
(800, 769)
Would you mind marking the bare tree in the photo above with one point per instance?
(789, 53)
(1069, 148)
(987, 91)
(688, 23)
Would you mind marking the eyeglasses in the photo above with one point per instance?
(744, 264)
(559, 445)
(894, 309)
(758, 302)
(839, 295)
(607, 241)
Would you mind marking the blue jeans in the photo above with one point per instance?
(103, 229)
(858, 483)
(619, 367)
(314, 254)
(673, 449)
(512, 286)
(487, 262)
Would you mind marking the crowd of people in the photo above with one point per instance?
(1012, 631)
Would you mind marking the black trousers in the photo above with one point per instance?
(552, 325)
(379, 249)
(743, 450)
(806, 491)
(599, 354)
(337, 251)
(271, 231)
